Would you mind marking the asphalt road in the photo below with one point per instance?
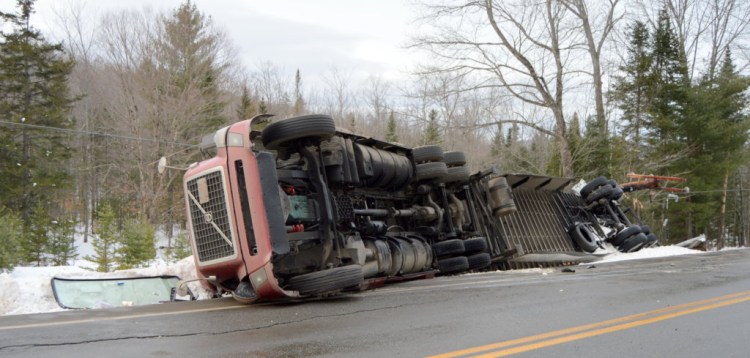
(690, 306)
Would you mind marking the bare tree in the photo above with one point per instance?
(729, 25)
(77, 33)
(524, 47)
(273, 88)
(340, 99)
(376, 96)
(597, 27)
(154, 84)
(706, 29)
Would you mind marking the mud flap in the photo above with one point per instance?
(269, 183)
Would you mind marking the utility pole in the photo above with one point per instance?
(741, 193)
(722, 224)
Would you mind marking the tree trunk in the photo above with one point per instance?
(720, 241)
(566, 157)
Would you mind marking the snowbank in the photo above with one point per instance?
(661, 251)
(29, 289)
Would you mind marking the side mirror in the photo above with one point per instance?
(162, 166)
(181, 289)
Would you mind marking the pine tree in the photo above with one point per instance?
(62, 246)
(432, 133)
(183, 100)
(33, 83)
(498, 142)
(391, 134)
(597, 141)
(512, 136)
(10, 237)
(246, 108)
(188, 51)
(575, 142)
(105, 242)
(632, 90)
(715, 130)
(352, 122)
(136, 244)
(554, 165)
(632, 95)
(262, 106)
(181, 248)
(299, 102)
(669, 91)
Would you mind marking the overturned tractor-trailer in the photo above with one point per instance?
(303, 209)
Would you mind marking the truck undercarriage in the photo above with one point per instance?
(303, 209)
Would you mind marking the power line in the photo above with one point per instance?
(101, 134)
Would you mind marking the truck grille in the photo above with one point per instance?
(210, 217)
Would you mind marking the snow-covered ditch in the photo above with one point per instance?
(28, 289)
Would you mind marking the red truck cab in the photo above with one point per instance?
(234, 216)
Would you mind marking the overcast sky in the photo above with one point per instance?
(360, 37)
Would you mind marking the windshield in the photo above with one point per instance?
(112, 292)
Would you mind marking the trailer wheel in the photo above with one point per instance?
(454, 159)
(479, 261)
(431, 170)
(605, 191)
(624, 234)
(652, 240)
(427, 153)
(326, 280)
(456, 174)
(279, 133)
(633, 243)
(448, 247)
(593, 185)
(453, 265)
(616, 194)
(475, 244)
(583, 237)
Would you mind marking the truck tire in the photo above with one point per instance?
(475, 244)
(604, 191)
(645, 229)
(456, 174)
(583, 237)
(430, 170)
(652, 240)
(427, 153)
(277, 134)
(616, 194)
(453, 265)
(626, 233)
(593, 185)
(448, 247)
(326, 280)
(454, 159)
(479, 261)
(633, 243)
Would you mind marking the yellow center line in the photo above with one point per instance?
(682, 309)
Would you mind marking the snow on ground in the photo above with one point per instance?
(653, 252)
(28, 289)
